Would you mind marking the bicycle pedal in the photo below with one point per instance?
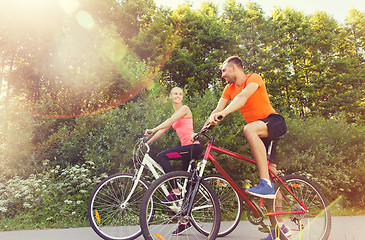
(173, 208)
(264, 229)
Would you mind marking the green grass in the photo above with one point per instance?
(30, 222)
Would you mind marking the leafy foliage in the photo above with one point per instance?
(48, 197)
(77, 95)
(330, 152)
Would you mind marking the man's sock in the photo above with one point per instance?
(268, 181)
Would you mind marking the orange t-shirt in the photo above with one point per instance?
(258, 105)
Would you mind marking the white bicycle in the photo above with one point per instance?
(114, 205)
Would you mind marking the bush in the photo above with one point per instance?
(311, 145)
(54, 195)
(332, 151)
(329, 152)
(107, 139)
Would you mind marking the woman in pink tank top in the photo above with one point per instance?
(182, 121)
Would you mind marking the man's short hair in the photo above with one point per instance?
(235, 60)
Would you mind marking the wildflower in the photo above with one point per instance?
(27, 205)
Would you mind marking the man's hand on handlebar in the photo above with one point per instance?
(212, 121)
(215, 118)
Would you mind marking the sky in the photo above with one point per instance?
(336, 8)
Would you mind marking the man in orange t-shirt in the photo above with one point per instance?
(249, 96)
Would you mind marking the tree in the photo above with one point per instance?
(199, 50)
(250, 30)
(291, 36)
(347, 93)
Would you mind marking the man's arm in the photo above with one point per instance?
(220, 107)
(238, 102)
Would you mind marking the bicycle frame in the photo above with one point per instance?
(245, 198)
(154, 167)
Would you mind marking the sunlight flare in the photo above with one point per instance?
(69, 6)
(85, 19)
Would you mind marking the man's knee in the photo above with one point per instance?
(248, 130)
(257, 128)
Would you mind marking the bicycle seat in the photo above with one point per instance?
(278, 138)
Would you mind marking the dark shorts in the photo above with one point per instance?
(276, 127)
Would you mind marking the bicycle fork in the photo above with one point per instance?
(194, 187)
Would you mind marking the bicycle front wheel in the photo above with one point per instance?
(113, 209)
(171, 220)
(229, 201)
(315, 224)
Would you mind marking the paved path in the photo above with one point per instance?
(343, 228)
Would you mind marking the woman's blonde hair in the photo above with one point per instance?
(175, 88)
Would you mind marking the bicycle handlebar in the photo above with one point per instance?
(205, 129)
(144, 139)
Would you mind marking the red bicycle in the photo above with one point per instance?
(300, 205)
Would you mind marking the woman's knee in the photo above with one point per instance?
(160, 156)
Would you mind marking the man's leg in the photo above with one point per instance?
(278, 208)
(253, 133)
(279, 197)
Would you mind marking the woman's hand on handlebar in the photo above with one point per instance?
(194, 137)
(148, 133)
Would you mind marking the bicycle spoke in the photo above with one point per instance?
(110, 216)
(313, 224)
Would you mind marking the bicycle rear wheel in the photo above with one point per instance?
(314, 224)
(229, 201)
(205, 215)
(110, 215)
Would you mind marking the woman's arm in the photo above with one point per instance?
(157, 135)
(184, 111)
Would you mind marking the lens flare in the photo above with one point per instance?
(69, 6)
(90, 67)
(85, 19)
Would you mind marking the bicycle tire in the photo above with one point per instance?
(229, 201)
(314, 224)
(108, 218)
(205, 214)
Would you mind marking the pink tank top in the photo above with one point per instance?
(184, 129)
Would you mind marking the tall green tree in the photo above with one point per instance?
(250, 32)
(347, 94)
(201, 45)
(292, 35)
(322, 53)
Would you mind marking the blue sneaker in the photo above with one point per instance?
(273, 234)
(262, 190)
